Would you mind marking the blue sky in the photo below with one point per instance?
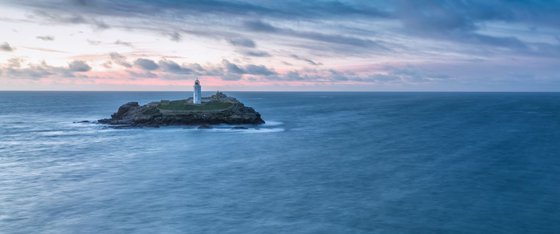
(280, 45)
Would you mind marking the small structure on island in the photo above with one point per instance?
(197, 93)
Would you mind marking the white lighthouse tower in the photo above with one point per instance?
(197, 93)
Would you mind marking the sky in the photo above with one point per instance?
(268, 45)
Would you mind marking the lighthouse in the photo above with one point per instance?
(197, 93)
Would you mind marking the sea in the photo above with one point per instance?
(324, 162)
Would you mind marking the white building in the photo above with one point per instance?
(197, 93)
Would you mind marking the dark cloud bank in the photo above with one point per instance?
(457, 21)
(319, 28)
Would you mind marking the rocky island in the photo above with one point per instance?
(204, 111)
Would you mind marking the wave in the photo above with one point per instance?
(268, 127)
(272, 123)
(247, 130)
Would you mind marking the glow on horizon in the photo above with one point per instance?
(242, 45)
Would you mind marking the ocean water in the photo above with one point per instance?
(323, 163)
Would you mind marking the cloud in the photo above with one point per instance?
(108, 64)
(411, 74)
(93, 42)
(146, 64)
(343, 27)
(422, 18)
(258, 70)
(341, 34)
(306, 60)
(255, 53)
(31, 72)
(61, 18)
(294, 76)
(462, 21)
(6, 47)
(79, 66)
(231, 77)
(123, 43)
(120, 60)
(383, 77)
(509, 42)
(235, 72)
(443, 17)
(175, 36)
(232, 68)
(242, 42)
(145, 74)
(298, 76)
(81, 2)
(173, 67)
(15, 62)
(44, 49)
(388, 75)
(65, 18)
(45, 38)
(290, 9)
(16, 69)
(116, 56)
(100, 24)
(260, 26)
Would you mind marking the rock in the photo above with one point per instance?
(104, 121)
(83, 121)
(125, 109)
(217, 109)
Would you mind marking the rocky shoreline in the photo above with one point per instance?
(216, 109)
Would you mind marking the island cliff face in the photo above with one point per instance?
(217, 109)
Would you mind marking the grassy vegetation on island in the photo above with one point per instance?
(182, 105)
